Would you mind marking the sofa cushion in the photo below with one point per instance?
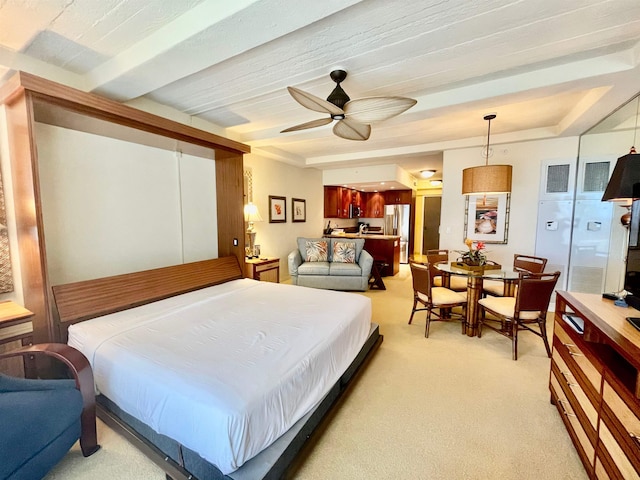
(345, 269)
(314, 268)
(302, 245)
(344, 252)
(316, 251)
(358, 241)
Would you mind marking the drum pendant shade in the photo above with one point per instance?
(487, 178)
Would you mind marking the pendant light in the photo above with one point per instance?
(624, 184)
(487, 178)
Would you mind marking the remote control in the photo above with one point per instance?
(610, 296)
(635, 321)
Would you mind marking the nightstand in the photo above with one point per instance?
(264, 269)
(15, 325)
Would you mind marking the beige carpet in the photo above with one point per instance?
(446, 407)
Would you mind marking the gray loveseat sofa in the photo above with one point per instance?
(330, 263)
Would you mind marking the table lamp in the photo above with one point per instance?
(251, 215)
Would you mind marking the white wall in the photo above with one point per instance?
(526, 158)
(112, 207)
(276, 178)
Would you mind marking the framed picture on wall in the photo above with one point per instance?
(299, 209)
(487, 218)
(277, 209)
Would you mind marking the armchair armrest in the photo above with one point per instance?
(294, 260)
(366, 263)
(83, 375)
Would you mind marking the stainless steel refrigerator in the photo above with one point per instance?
(396, 222)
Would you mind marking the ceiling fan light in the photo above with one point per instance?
(487, 179)
(427, 173)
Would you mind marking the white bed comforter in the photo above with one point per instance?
(228, 369)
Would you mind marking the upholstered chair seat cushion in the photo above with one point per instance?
(506, 306)
(38, 425)
(493, 287)
(446, 296)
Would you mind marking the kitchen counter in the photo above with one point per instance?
(377, 236)
(383, 248)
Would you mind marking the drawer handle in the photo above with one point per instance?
(566, 378)
(564, 409)
(573, 354)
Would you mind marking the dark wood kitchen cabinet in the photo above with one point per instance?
(341, 202)
(398, 197)
(333, 202)
(373, 205)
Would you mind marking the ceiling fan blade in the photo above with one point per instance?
(352, 130)
(377, 109)
(314, 103)
(311, 124)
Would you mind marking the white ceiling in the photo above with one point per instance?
(548, 68)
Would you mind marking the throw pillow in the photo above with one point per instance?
(344, 252)
(316, 251)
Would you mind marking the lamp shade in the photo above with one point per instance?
(486, 179)
(624, 183)
(251, 213)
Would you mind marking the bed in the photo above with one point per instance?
(214, 375)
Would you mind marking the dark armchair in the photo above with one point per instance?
(40, 420)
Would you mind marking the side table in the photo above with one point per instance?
(263, 269)
(15, 325)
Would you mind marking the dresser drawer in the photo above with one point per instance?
(621, 414)
(621, 466)
(580, 439)
(575, 394)
(600, 471)
(576, 360)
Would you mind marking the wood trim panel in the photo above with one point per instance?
(80, 301)
(229, 190)
(28, 213)
(112, 111)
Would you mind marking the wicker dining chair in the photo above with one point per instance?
(521, 263)
(528, 307)
(434, 298)
(456, 283)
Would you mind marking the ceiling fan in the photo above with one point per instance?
(354, 117)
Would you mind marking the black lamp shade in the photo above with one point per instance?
(624, 183)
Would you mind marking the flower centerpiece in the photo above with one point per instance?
(475, 255)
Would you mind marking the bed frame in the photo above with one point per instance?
(76, 302)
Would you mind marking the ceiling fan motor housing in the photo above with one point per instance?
(338, 96)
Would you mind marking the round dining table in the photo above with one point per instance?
(474, 288)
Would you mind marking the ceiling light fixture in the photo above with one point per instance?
(487, 178)
(427, 173)
(435, 183)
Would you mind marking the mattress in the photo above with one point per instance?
(225, 370)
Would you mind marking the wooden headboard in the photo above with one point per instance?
(80, 301)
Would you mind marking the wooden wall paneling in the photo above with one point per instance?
(230, 198)
(28, 214)
(110, 110)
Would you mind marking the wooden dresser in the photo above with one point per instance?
(595, 383)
